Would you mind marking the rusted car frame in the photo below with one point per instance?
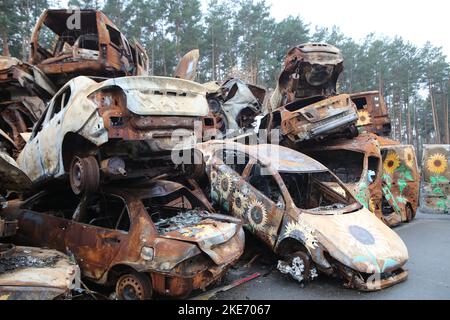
(62, 49)
(373, 113)
(358, 164)
(151, 239)
(119, 128)
(23, 90)
(333, 233)
(435, 179)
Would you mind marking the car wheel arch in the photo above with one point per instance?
(74, 144)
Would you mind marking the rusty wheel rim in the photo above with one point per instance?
(130, 288)
(77, 175)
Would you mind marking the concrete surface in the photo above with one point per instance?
(428, 242)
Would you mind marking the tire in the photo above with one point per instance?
(84, 175)
(409, 213)
(134, 286)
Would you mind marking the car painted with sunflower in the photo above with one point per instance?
(435, 181)
(358, 164)
(401, 181)
(284, 198)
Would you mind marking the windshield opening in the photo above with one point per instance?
(317, 192)
(174, 211)
(347, 165)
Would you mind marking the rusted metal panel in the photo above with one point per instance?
(186, 249)
(337, 236)
(373, 113)
(358, 164)
(96, 47)
(401, 182)
(187, 67)
(37, 274)
(435, 180)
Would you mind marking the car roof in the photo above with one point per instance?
(289, 161)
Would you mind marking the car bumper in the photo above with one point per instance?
(334, 125)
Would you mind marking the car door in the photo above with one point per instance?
(98, 236)
(50, 140)
(30, 160)
(266, 205)
(42, 222)
(141, 60)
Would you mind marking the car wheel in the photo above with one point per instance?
(409, 213)
(299, 266)
(84, 175)
(134, 286)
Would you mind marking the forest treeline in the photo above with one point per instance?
(241, 37)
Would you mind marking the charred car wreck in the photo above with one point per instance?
(157, 239)
(286, 200)
(305, 105)
(28, 273)
(68, 43)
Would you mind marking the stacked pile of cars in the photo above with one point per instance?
(147, 182)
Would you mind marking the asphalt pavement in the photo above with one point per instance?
(428, 242)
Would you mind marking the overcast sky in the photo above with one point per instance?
(418, 21)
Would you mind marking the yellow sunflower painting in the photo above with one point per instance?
(437, 163)
(364, 118)
(391, 163)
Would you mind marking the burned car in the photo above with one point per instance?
(29, 273)
(235, 105)
(358, 164)
(36, 274)
(157, 238)
(285, 199)
(314, 119)
(305, 105)
(24, 89)
(373, 113)
(435, 180)
(119, 128)
(401, 183)
(66, 43)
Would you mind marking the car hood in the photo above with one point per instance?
(215, 238)
(359, 240)
(11, 177)
(34, 269)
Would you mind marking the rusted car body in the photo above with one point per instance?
(358, 164)
(373, 113)
(313, 119)
(305, 105)
(310, 70)
(401, 182)
(284, 198)
(67, 43)
(36, 274)
(155, 238)
(29, 273)
(23, 91)
(125, 126)
(435, 180)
